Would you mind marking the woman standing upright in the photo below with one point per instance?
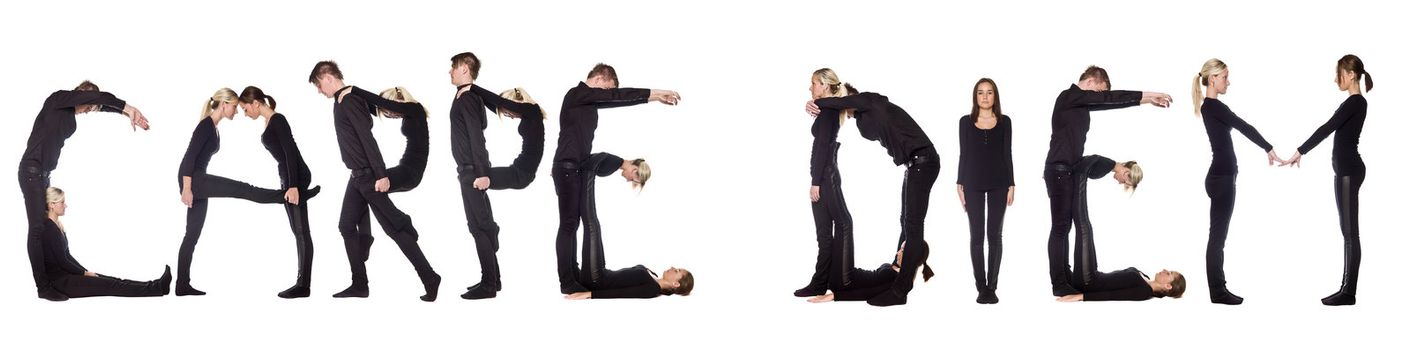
(985, 182)
(294, 177)
(831, 219)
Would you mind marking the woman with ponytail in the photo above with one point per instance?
(1214, 77)
(294, 177)
(831, 219)
(1348, 169)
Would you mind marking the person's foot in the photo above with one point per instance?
(987, 296)
(50, 294)
(311, 193)
(296, 291)
(887, 298)
(1340, 298)
(184, 289)
(811, 291)
(353, 291)
(165, 282)
(1223, 296)
(432, 285)
(571, 288)
(1064, 289)
(479, 291)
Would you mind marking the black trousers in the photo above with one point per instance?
(514, 177)
(203, 188)
(576, 204)
(303, 240)
(354, 224)
(920, 176)
(405, 176)
(1221, 190)
(1347, 186)
(1084, 251)
(594, 265)
(480, 219)
(1059, 182)
(33, 184)
(79, 286)
(833, 224)
(976, 203)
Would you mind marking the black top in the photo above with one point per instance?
(1218, 120)
(578, 118)
(205, 142)
(601, 164)
(880, 120)
(352, 123)
(57, 260)
(414, 124)
(633, 282)
(825, 134)
(1347, 121)
(278, 139)
(865, 284)
(531, 124)
(468, 134)
(55, 123)
(1127, 284)
(1093, 167)
(1071, 119)
(986, 158)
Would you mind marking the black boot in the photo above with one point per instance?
(812, 289)
(183, 288)
(1223, 296)
(480, 291)
(164, 283)
(311, 193)
(353, 291)
(987, 296)
(432, 283)
(297, 291)
(50, 294)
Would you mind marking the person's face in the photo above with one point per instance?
(58, 207)
(1343, 79)
(226, 110)
(325, 85)
(630, 173)
(460, 74)
(985, 95)
(86, 109)
(251, 110)
(674, 275)
(818, 89)
(1123, 175)
(1094, 84)
(601, 82)
(1220, 83)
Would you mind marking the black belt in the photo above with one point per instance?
(921, 156)
(34, 170)
(361, 172)
(566, 165)
(1059, 167)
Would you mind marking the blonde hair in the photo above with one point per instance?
(53, 195)
(224, 95)
(836, 88)
(1212, 67)
(521, 96)
(1134, 175)
(644, 172)
(399, 94)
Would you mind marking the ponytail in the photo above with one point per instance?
(224, 95)
(1368, 77)
(1197, 97)
(1211, 67)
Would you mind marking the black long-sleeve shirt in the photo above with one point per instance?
(531, 124)
(1347, 121)
(278, 139)
(57, 260)
(578, 118)
(56, 122)
(880, 120)
(1126, 284)
(1072, 118)
(205, 142)
(1093, 167)
(468, 134)
(601, 164)
(865, 284)
(352, 123)
(986, 156)
(633, 282)
(825, 134)
(414, 124)
(1219, 119)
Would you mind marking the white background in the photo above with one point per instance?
(728, 196)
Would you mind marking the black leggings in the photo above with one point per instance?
(976, 204)
(303, 241)
(1084, 251)
(204, 187)
(1347, 187)
(832, 222)
(1058, 179)
(33, 185)
(79, 286)
(916, 197)
(1221, 190)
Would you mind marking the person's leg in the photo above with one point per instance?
(1221, 190)
(33, 187)
(1060, 197)
(353, 225)
(80, 286)
(975, 211)
(481, 222)
(594, 264)
(830, 219)
(195, 222)
(841, 252)
(398, 226)
(916, 195)
(1084, 251)
(303, 246)
(509, 178)
(568, 185)
(1347, 187)
(998, 201)
(214, 186)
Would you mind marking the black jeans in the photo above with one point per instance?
(203, 188)
(79, 286)
(1059, 181)
(1347, 187)
(1221, 190)
(921, 175)
(575, 190)
(303, 240)
(833, 224)
(480, 219)
(1084, 251)
(359, 200)
(976, 203)
(33, 184)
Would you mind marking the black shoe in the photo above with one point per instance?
(50, 294)
(1340, 298)
(184, 289)
(811, 291)
(987, 297)
(1223, 296)
(888, 298)
(479, 291)
(353, 291)
(477, 285)
(165, 282)
(433, 285)
(1064, 289)
(295, 292)
(311, 193)
(567, 289)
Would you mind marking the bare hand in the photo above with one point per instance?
(811, 108)
(1274, 158)
(1009, 199)
(821, 298)
(345, 93)
(292, 196)
(665, 96)
(481, 183)
(382, 185)
(1071, 298)
(187, 197)
(579, 296)
(1156, 99)
(135, 116)
(960, 192)
(1296, 160)
(813, 193)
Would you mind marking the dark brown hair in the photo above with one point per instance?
(86, 86)
(1096, 72)
(252, 94)
(1353, 64)
(604, 70)
(688, 282)
(325, 67)
(975, 99)
(468, 59)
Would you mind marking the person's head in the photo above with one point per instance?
(825, 83)
(398, 94)
(986, 97)
(1129, 174)
(602, 76)
(327, 78)
(521, 96)
(1350, 73)
(54, 197)
(252, 100)
(1094, 79)
(86, 86)
(637, 172)
(465, 68)
(1169, 284)
(1213, 75)
(221, 105)
(677, 281)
